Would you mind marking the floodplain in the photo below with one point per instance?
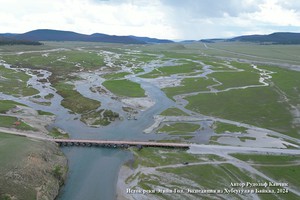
(227, 100)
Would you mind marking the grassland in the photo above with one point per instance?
(61, 63)
(267, 159)
(189, 85)
(169, 70)
(237, 79)
(220, 127)
(15, 83)
(58, 134)
(289, 86)
(56, 60)
(283, 169)
(277, 53)
(183, 171)
(173, 112)
(40, 112)
(6, 105)
(116, 75)
(10, 122)
(74, 101)
(210, 174)
(153, 157)
(26, 168)
(256, 106)
(49, 96)
(179, 128)
(124, 88)
(101, 117)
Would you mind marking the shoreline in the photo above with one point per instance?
(120, 186)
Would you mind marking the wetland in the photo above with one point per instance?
(187, 93)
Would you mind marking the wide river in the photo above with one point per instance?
(93, 172)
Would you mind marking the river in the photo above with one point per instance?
(93, 171)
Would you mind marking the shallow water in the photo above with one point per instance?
(93, 171)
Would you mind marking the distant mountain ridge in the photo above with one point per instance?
(151, 40)
(274, 38)
(58, 35)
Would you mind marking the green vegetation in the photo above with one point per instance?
(189, 85)
(49, 96)
(169, 70)
(288, 86)
(283, 169)
(153, 157)
(101, 117)
(179, 128)
(256, 106)
(6, 105)
(116, 75)
(58, 60)
(40, 112)
(10, 41)
(124, 88)
(138, 70)
(61, 63)
(74, 101)
(13, 122)
(237, 79)
(30, 163)
(15, 83)
(181, 170)
(224, 173)
(173, 112)
(220, 127)
(58, 173)
(244, 138)
(267, 159)
(277, 53)
(290, 174)
(58, 134)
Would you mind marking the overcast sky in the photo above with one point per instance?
(172, 19)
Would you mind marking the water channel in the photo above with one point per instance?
(93, 171)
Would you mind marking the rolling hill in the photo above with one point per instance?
(274, 38)
(57, 35)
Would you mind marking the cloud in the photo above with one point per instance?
(189, 19)
(211, 8)
(289, 4)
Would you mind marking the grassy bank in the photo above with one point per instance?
(124, 88)
(220, 127)
(283, 169)
(256, 106)
(6, 105)
(189, 85)
(179, 128)
(13, 122)
(173, 112)
(27, 168)
(15, 83)
(169, 70)
(74, 101)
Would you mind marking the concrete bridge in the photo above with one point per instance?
(117, 144)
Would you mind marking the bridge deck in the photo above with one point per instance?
(119, 143)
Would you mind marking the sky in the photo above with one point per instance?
(170, 19)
